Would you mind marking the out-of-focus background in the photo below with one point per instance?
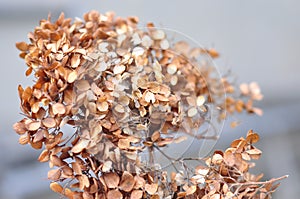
(258, 40)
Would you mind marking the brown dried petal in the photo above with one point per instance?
(107, 166)
(112, 180)
(35, 107)
(139, 182)
(36, 145)
(24, 139)
(119, 108)
(54, 186)
(33, 126)
(102, 106)
(54, 174)
(136, 194)
(75, 61)
(114, 194)
(158, 34)
(22, 46)
(87, 195)
(124, 143)
(151, 188)
(127, 182)
(76, 167)
(215, 196)
(155, 136)
(254, 153)
(244, 89)
(217, 159)
(171, 69)
(149, 97)
(252, 137)
(44, 156)
(83, 181)
(39, 135)
(82, 85)
(200, 100)
(58, 108)
(72, 76)
(192, 112)
(55, 161)
(80, 146)
(164, 44)
(20, 128)
(257, 111)
(229, 158)
(49, 122)
(191, 190)
(119, 69)
(67, 171)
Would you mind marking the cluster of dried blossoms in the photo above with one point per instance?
(127, 91)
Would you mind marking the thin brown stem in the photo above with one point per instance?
(257, 183)
(172, 160)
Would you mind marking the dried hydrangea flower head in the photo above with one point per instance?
(129, 94)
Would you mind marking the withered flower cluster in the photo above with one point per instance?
(128, 91)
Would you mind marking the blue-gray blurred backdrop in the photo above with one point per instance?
(258, 40)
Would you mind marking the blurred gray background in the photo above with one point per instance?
(258, 40)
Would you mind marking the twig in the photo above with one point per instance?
(172, 160)
(265, 182)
